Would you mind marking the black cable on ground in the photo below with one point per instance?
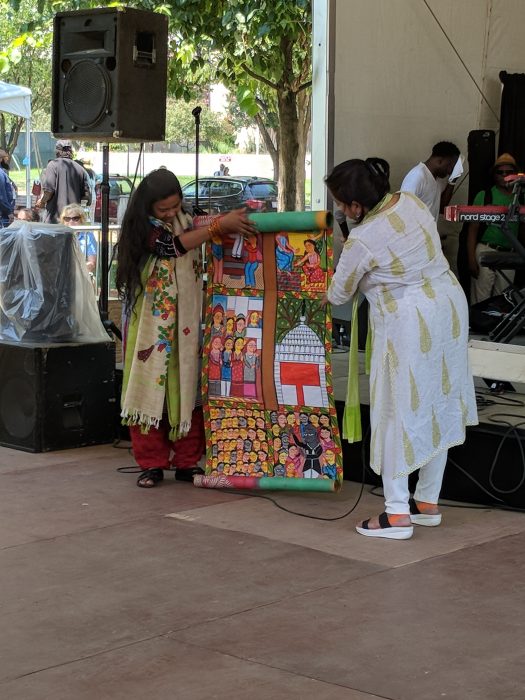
(251, 494)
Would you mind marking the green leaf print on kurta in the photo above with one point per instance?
(389, 301)
(409, 450)
(425, 339)
(429, 243)
(445, 379)
(396, 222)
(414, 393)
(428, 288)
(464, 410)
(351, 282)
(453, 278)
(415, 199)
(436, 432)
(396, 267)
(456, 325)
(392, 354)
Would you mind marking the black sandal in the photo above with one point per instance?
(152, 475)
(187, 474)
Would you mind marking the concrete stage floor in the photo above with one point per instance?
(114, 592)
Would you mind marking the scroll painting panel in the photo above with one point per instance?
(268, 398)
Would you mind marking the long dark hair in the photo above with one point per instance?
(135, 230)
(362, 181)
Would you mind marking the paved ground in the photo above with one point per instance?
(110, 591)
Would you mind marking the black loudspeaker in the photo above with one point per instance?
(481, 156)
(488, 468)
(110, 75)
(54, 397)
(37, 285)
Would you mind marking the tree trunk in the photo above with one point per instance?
(273, 149)
(303, 108)
(289, 148)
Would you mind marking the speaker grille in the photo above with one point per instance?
(87, 93)
(17, 406)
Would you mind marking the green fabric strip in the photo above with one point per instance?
(352, 414)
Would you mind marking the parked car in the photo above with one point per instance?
(118, 185)
(217, 194)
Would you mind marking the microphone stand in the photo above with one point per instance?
(197, 210)
(104, 247)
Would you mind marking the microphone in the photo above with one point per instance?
(196, 111)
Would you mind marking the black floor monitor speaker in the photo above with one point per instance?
(55, 397)
(110, 75)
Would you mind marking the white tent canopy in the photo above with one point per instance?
(15, 99)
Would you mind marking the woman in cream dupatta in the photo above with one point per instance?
(159, 280)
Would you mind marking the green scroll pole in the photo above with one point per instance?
(273, 222)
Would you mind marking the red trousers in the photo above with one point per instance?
(155, 449)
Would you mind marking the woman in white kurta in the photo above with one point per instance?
(421, 389)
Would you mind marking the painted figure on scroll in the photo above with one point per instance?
(237, 385)
(421, 389)
(252, 257)
(311, 262)
(284, 253)
(218, 262)
(158, 266)
(251, 367)
(254, 320)
(226, 366)
(215, 366)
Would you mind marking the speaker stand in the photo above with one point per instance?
(104, 247)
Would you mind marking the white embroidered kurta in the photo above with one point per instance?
(419, 322)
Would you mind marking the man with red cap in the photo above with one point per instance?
(485, 283)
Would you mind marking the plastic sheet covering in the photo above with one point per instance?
(46, 295)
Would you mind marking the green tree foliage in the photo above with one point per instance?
(25, 59)
(261, 51)
(216, 132)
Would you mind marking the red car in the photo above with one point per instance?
(119, 185)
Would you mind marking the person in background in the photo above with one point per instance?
(421, 388)
(430, 180)
(7, 193)
(75, 215)
(87, 163)
(220, 171)
(24, 214)
(63, 182)
(485, 283)
(159, 281)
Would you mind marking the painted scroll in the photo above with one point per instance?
(268, 400)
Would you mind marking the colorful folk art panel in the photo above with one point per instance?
(267, 385)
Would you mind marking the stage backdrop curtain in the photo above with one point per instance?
(512, 134)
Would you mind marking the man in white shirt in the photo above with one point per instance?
(430, 180)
